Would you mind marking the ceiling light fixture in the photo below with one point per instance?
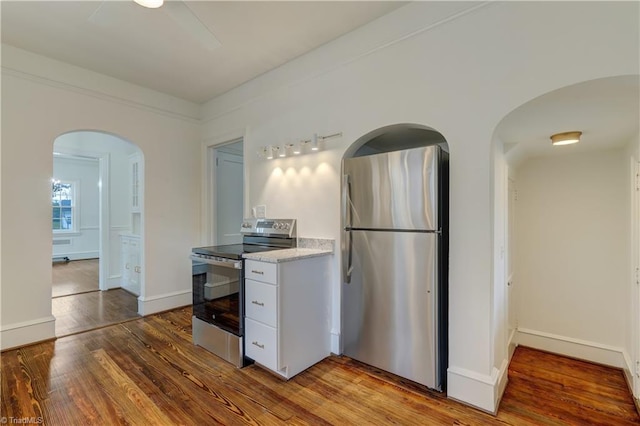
(151, 4)
(288, 148)
(565, 138)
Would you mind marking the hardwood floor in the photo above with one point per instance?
(77, 276)
(87, 311)
(561, 390)
(147, 371)
(77, 303)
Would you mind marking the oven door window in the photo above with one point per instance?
(217, 295)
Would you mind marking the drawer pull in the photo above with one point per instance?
(255, 302)
(257, 272)
(127, 266)
(258, 345)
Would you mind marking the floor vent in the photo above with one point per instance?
(62, 242)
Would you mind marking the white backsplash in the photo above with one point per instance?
(317, 243)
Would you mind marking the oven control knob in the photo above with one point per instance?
(276, 225)
(287, 226)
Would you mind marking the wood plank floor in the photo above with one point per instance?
(77, 276)
(551, 389)
(88, 311)
(147, 372)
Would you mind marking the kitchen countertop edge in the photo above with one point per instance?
(286, 255)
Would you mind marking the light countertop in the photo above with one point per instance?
(287, 255)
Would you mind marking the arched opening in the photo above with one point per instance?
(97, 226)
(395, 252)
(565, 220)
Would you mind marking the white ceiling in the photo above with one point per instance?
(195, 52)
(606, 111)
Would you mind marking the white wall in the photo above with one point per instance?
(459, 74)
(85, 244)
(42, 99)
(572, 254)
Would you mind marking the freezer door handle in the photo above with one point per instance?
(349, 259)
(347, 249)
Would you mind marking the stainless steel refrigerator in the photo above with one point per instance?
(395, 262)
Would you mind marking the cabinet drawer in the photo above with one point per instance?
(261, 302)
(261, 344)
(261, 271)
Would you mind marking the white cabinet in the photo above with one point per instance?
(131, 269)
(287, 313)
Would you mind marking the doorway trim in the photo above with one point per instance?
(208, 151)
(635, 278)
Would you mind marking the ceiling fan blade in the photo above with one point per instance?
(183, 16)
(95, 17)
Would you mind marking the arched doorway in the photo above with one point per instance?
(570, 233)
(395, 252)
(97, 222)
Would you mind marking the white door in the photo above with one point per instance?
(229, 196)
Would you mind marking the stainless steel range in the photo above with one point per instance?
(218, 285)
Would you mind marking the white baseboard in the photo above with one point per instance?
(24, 333)
(335, 342)
(164, 302)
(628, 373)
(503, 378)
(575, 348)
(113, 281)
(479, 390)
(79, 255)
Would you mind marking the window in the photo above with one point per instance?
(63, 202)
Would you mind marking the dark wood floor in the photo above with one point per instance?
(79, 305)
(77, 276)
(88, 311)
(147, 372)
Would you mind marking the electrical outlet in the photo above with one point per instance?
(260, 211)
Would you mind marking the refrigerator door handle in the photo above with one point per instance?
(347, 266)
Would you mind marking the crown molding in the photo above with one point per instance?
(97, 94)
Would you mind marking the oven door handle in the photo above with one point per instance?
(231, 264)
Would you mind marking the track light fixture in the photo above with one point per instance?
(285, 150)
